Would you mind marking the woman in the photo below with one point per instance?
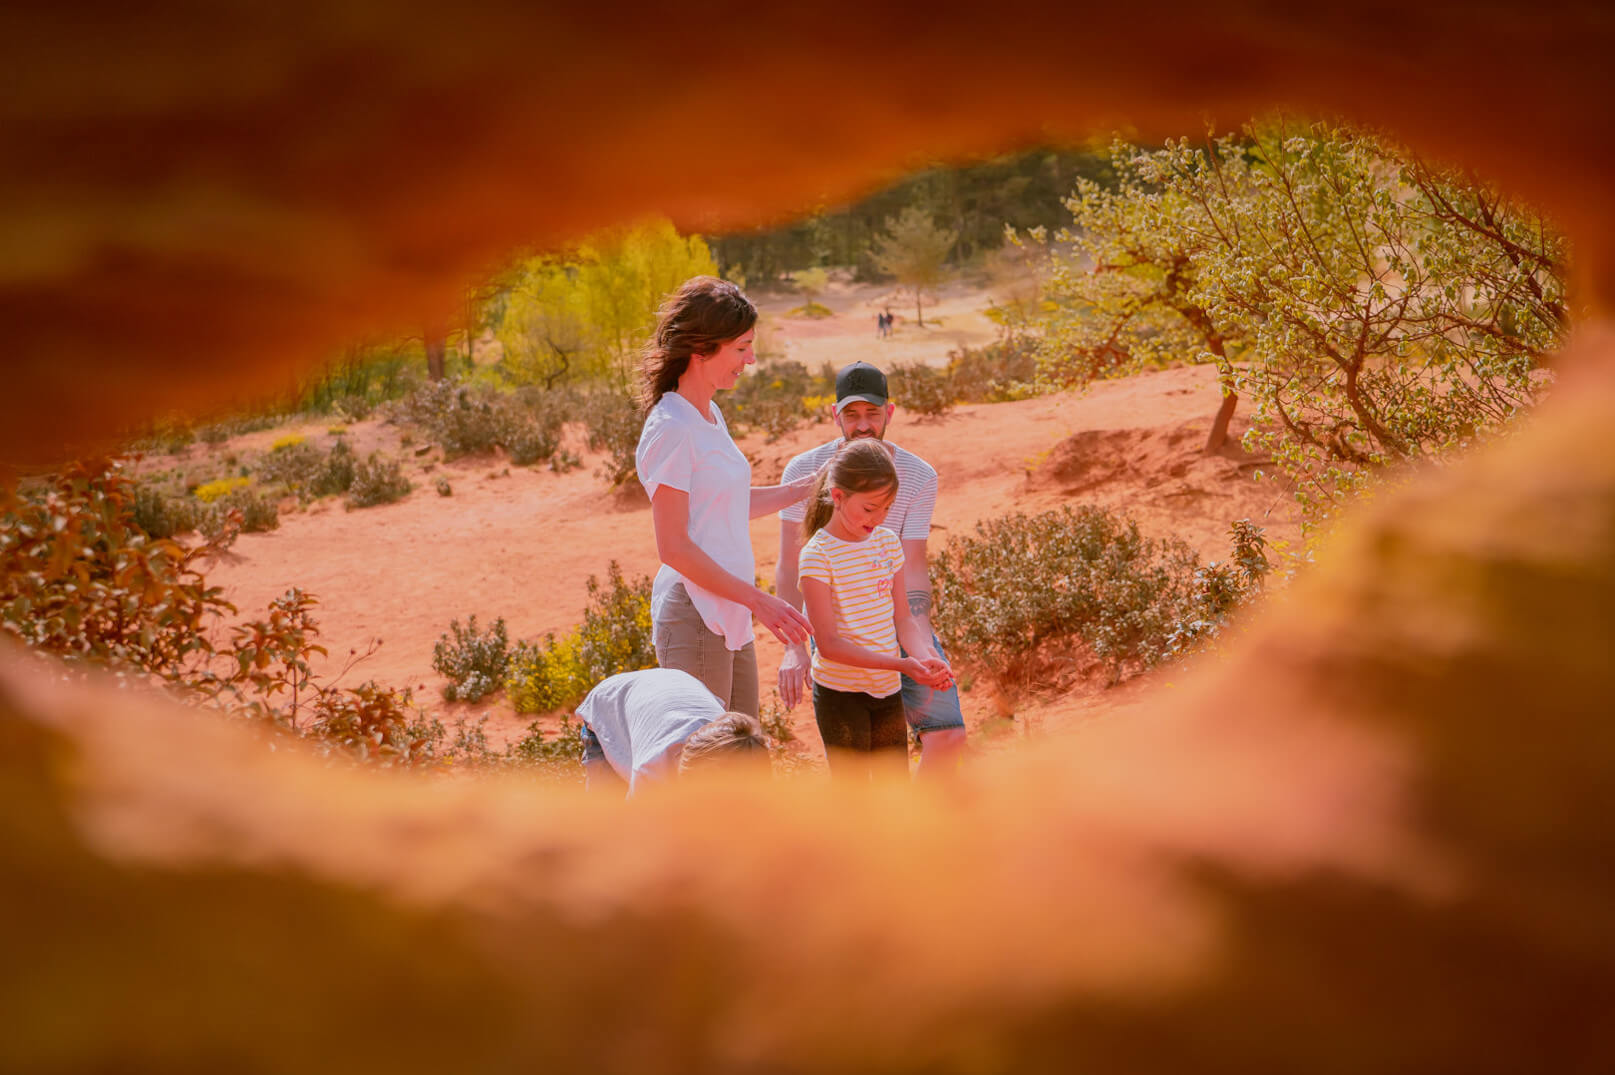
(702, 498)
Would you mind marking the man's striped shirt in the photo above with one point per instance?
(910, 514)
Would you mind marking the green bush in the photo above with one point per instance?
(996, 373)
(924, 390)
(163, 516)
(82, 581)
(259, 513)
(474, 662)
(773, 399)
(615, 636)
(303, 470)
(290, 464)
(377, 481)
(560, 756)
(472, 419)
(1027, 581)
(81, 578)
(613, 422)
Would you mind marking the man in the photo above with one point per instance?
(657, 723)
(863, 410)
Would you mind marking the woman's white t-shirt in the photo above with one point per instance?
(679, 448)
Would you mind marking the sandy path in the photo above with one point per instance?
(955, 320)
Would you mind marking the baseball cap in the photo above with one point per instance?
(860, 381)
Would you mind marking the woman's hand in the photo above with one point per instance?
(932, 672)
(783, 622)
(803, 487)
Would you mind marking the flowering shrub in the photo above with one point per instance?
(615, 636)
(475, 662)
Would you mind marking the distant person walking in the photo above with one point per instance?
(862, 411)
(701, 496)
(865, 638)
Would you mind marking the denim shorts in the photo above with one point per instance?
(928, 709)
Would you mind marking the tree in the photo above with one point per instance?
(584, 313)
(1124, 294)
(543, 332)
(915, 250)
(436, 340)
(1395, 311)
(811, 283)
(1384, 310)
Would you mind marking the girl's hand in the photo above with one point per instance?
(783, 622)
(932, 672)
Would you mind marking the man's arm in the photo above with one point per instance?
(916, 578)
(795, 665)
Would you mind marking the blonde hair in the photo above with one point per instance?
(732, 738)
(861, 466)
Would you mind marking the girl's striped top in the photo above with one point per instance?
(860, 575)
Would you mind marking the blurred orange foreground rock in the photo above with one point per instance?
(1373, 836)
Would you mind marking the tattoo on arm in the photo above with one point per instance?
(919, 602)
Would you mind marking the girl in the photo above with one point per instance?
(701, 496)
(848, 567)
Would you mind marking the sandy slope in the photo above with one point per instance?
(519, 544)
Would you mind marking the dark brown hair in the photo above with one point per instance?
(702, 315)
(861, 466)
(733, 737)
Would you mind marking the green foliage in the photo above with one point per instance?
(811, 283)
(615, 636)
(921, 389)
(774, 398)
(613, 421)
(375, 724)
(162, 516)
(583, 315)
(1022, 189)
(80, 579)
(995, 373)
(302, 470)
(915, 251)
(559, 756)
(1377, 309)
(377, 481)
(474, 662)
(252, 511)
(365, 377)
(1026, 582)
(472, 419)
